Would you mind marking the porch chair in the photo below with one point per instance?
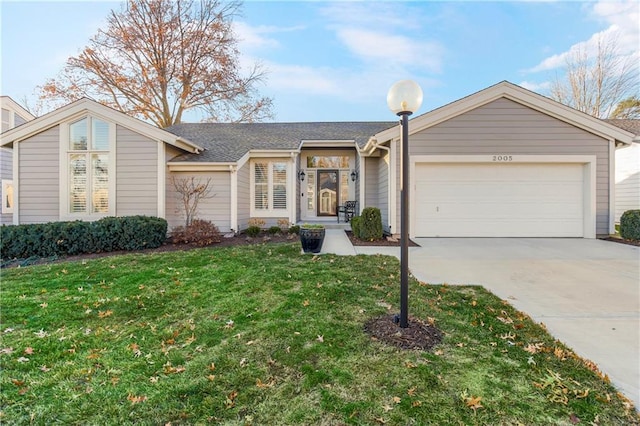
(348, 210)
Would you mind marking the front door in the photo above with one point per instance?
(327, 192)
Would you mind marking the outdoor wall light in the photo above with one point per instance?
(354, 175)
(404, 98)
(301, 175)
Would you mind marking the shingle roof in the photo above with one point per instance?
(632, 126)
(228, 142)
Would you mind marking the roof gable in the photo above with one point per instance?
(8, 103)
(88, 106)
(519, 95)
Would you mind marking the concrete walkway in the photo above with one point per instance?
(586, 292)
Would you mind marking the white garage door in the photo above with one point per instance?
(498, 200)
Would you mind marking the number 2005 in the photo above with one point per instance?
(503, 158)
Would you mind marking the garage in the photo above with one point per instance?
(499, 199)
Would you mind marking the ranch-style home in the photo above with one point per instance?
(502, 162)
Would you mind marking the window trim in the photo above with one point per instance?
(269, 212)
(65, 150)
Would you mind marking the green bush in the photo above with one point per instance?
(77, 237)
(253, 231)
(274, 230)
(294, 229)
(630, 225)
(355, 226)
(370, 226)
(199, 233)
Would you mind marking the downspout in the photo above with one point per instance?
(386, 148)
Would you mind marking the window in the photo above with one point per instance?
(7, 196)
(269, 187)
(88, 165)
(328, 162)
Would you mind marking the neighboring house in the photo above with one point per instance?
(13, 115)
(627, 170)
(503, 162)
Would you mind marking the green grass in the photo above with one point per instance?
(264, 335)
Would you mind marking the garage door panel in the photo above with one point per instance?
(502, 200)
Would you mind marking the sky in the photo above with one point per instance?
(335, 61)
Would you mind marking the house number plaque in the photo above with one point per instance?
(502, 158)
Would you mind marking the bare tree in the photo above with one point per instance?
(157, 59)
(190, 192)
(595, 82)
(627, 109)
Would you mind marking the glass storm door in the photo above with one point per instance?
(327, 192)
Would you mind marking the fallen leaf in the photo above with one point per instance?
(230, 401)
(306, 303)
(473, 402)
(22, 359)
(45, 369)
(44, 305)
(17, 382)
(574, 419)
(6, 351)
(411, 392)
(105, 314)
(264, 385)
(211, 377)
(387, 408)
(416, 403)
(320, 338)
(136, 399)
(212, 367)
(396, 399)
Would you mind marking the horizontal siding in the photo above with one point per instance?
(506, 127)
(627, 179)
(383, 188)
(244, 202)
(216, 209)
(371, 182)
(136, 174)
(39, 177)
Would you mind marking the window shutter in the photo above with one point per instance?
(261, 182)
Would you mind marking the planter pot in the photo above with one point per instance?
(311, 239)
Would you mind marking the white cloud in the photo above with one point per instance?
(622, 19)
(535, 87)
(259, 37)
(378, 46)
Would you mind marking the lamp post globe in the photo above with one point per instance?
(404, 98)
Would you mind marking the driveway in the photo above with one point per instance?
(586, 292)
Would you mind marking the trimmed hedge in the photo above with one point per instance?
(370, 224)
(630, 225)
(70, 238)
(355, 226)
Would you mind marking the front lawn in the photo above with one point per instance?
(264, 335)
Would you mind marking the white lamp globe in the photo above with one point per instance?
(404, 97)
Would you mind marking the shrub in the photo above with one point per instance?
(370, 226)
(70, 238)
(253, 231)
(294, 229)
(630, 225)
(199, 233)
(355, 226)
(274, 230)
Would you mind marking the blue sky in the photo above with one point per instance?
(336, 61)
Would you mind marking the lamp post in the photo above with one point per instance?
(403, 99)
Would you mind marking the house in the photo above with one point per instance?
(12, 115)
(502, 162)
(627, 177)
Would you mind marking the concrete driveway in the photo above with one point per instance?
(586, 292)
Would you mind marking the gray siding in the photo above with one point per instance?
(6, 172)
(507, 127)
(136, 174)
(244, 207)
(216, 209)
(383, 190)
(627, 179)
(39, 177)
(371, 182)
(18, 120)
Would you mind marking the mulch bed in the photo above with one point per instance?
(418, 335)
(385, 242)
(622, 241)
